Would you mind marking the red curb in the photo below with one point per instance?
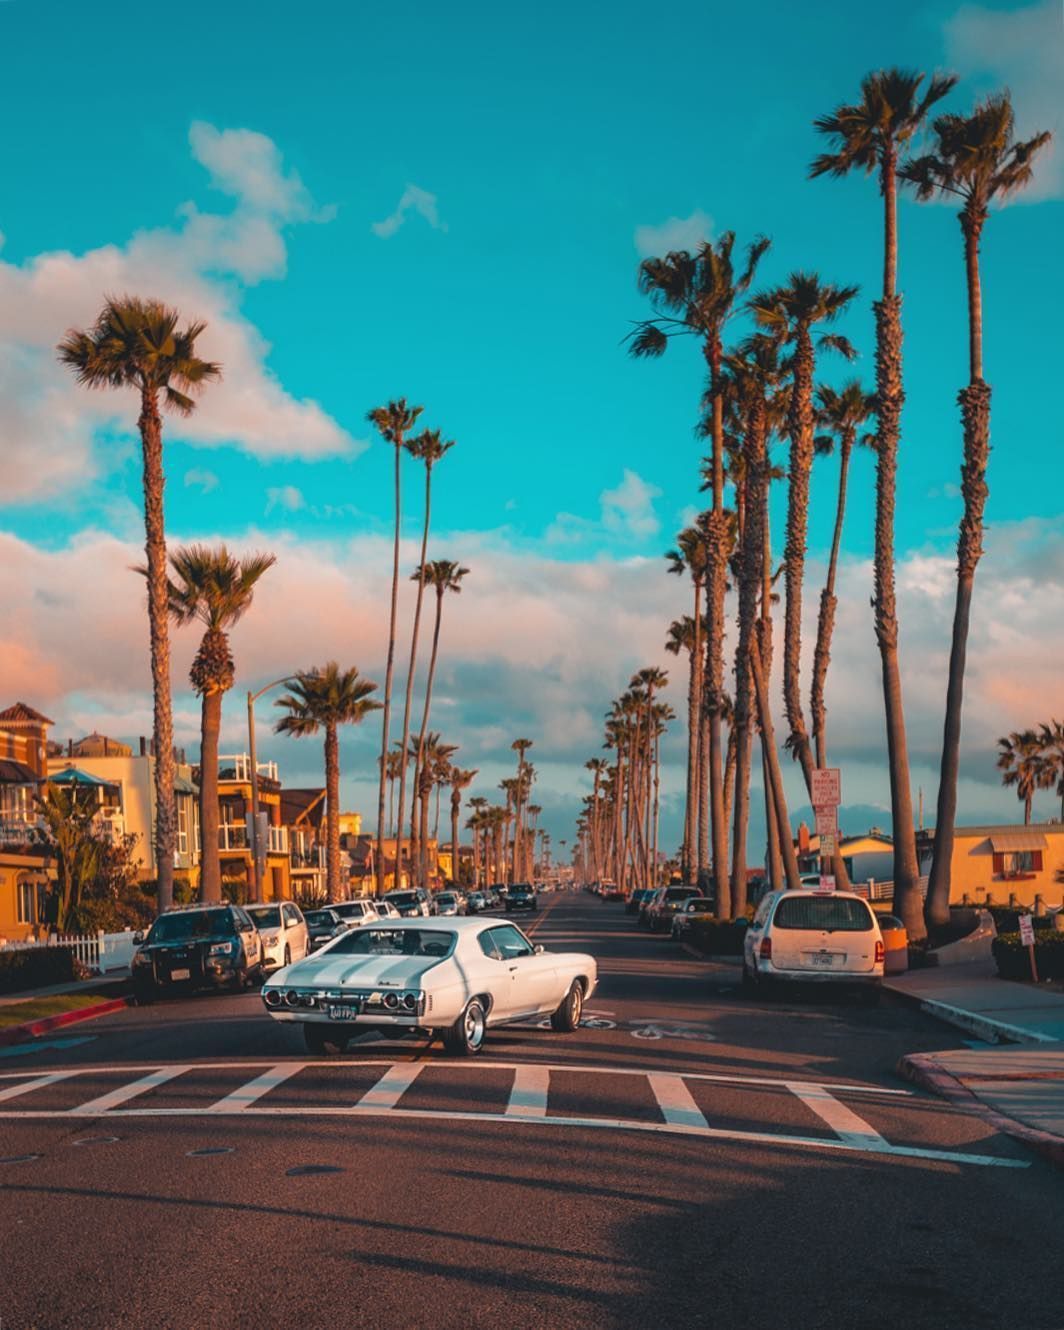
(17, 1034)
(922, 1069)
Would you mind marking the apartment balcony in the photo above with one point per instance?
(237, 767)
(235, 836)
(307, 856)
(17, 828)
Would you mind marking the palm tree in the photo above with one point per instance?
(976, 159)
(1023, 763)
(1051, 737)
(695, 295)
(690, 556)
(217, 588)
(443, 576)
(324, 698)
(520, 747)
(460, 780)
(428, 446)
(871, 135)
(394, 422)
(840, 414)
(137, 344)
(434, 769)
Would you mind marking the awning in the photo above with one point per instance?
(1004, 842)
(75, 776)
(16, 773)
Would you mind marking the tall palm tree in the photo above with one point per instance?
(975, 159)
(323, 699)
(428, 447)
(1051, 737)
(520, 747)
(841, 412)
(1023, 763)
(137, 343)
(871, 135)
(460, 780)
(695, 295)
(690, 556)
(214, 586)
(442, 575)
(393, 422)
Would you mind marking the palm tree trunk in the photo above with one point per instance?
(428, 695)
(975, 413)
(826, 620)
(151, 435)
(423, 837)
(717, 562)
(210, 863)
(790, 859)
(413, 640)
(332, 814)
(694, 732)
(386, 714)
(889, 397)
(456, 809)
(657, 808)
(773, 855)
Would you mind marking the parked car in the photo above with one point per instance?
(636, 899)
(448, 903)
(695, 907)
(357, 912)
(814, 937)
(664, 906)
(196, 947)
(411, 902)
(476, 902)
(453, 978)
(323, 925)
(385, 909)
(610, 891)
(283, 931)
(521, 896)
(648, 900)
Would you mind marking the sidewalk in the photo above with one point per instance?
(972, 997)
(101, 984)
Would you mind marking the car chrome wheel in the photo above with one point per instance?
(474, 1025)
(466, 1036)
(567, 1018)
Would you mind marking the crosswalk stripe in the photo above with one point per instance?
(675, 1101)
(391, 1087)
(528, 1098)
(38, 1083)
(113, 1098)
(842, 1120)
(247, 1094)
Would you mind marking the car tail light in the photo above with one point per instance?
(766, 949)
(391, 1001)
(409, 1001)
(272, 997)
(881, 953)
(292, 998)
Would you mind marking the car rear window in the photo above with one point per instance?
(679, 893)
(841, 914)
(265, 916)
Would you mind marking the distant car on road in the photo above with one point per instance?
(357, 912)
(452, 978)
(385, 909)
(196, 947)
(695, 907)
(283, 931)
(636, 899)
(664, 906)
(521, 896)
(814, 937)
(322, 926)
(411, 903)
(448, 903)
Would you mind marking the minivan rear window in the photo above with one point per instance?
(841, 914)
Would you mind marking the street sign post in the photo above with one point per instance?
(826, 787)
(1027, 940)
(825, 820)
(827, 882)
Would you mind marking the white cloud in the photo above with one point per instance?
(1019, 49)
(248, 165)
(287, 497)
(48, 423)
(627, 512)
(413, 199)
(199, 478)
(673, 234)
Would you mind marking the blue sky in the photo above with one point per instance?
(526, 156)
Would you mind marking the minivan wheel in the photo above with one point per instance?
(465, 1037)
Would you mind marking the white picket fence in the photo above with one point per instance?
(100, 952)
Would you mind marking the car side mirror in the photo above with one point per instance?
(538, 949)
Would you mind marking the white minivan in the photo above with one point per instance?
(814, 937)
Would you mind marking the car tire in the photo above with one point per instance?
(465, 1038)
(323, 1039)
(144, 994)
(567, 1018)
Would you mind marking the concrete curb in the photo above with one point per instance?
(924, 1070)
(18, 1034)
(984, 1027)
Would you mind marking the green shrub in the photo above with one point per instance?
(35, 967)
(1012, 958)
(718, 937)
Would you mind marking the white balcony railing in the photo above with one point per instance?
(233, 836)
(239, 764)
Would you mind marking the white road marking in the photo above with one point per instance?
(528, 1098)
(675, 1101)
(842, 1120)
(37, 1083)
(106, 1102)
(247, 1094)
(391, 1087)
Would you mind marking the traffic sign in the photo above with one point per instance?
(1026, 930)
(828, 845)
(827, 882)
(826, 787)
(826, 819)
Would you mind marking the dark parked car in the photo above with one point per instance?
(197, 947)
(636, 899)
(323, 926)
(660, 912)
(521, 896)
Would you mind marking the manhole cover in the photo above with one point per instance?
(210, 1150)
(305, 1170)
(18, 1159)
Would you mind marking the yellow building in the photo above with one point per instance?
(234, 834)
(351, 824)
(1002, 865)
(25, 873)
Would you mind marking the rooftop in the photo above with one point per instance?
(21, 714)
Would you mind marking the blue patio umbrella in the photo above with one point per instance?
(75, 776)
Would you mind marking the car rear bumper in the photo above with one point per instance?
(865, 977)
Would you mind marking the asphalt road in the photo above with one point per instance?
(691, 1157)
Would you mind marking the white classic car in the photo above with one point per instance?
(452, 978)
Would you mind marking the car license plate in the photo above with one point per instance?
(180, 974)
(824, 960)
(344, 1013)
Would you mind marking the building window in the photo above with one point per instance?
(182, 827)
(31, 897)
(1014, 863)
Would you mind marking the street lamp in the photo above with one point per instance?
(256, 883)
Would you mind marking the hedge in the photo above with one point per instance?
(35, 967)
(718, 937)
(1012, 956)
